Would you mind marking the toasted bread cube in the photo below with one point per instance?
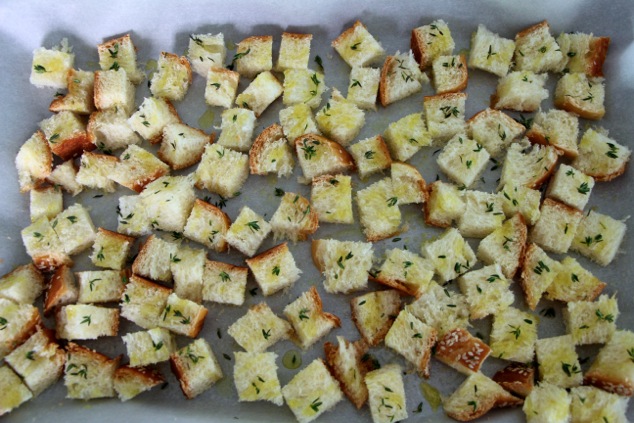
(576, 93)
(311, 392)
(450, 73)
(490, 52)
(406, 136)
(590, 404)
(357, 47)
(188, 273)
(345, 264)
(75, 229)
(450, 254)
(599, 237)
(88, 374)
(505, 245)
(538, 273)
(22, 285)
(522, 91)
(405, 271)
(45, 202)
(114, 90)
(172, 77)
(340, 119)
(556, 227)
(196, 368)
(294, 51)
(39, 361)
(557, 128)
(95, 171)
(79, 98)
(182, 316)
(513, 335)
(345, 364)
(400, 78)
(207, 224)
(547, 403)
(138, 167)
(442, 309)
(143, 302)
(331, 198)
(100, 286)
(319, 156)
(261, 93)
(303, 86)
(373, 314)
(482, 215)
(44, 246)
(222, 171)
(62, 290)
(66, 135)
(408, 184)
(413, 339)
(371, 156)
(386, 394)
(237, 129)
(600, 156)
(574, 283)
(14, 390)
(120, 53)
(18, 322)
(132, 219)
(149, 347)
(85, 321)
(206, 52)
(462, 351)
(182, 146)
(570, 186)
(254, 55)
(444, 205)
(271, 153)
(110, 130)
(379, 213)
(476, 396)
(34, 162)
(259, 329)
(130, 382)
(528, 165)
(152, 116)
(517, 378)
(50, 66)
(558, 362)
(274, 269)
(222, 86)
(309, 321)
(255, 377)
(154, 258)
(487, 291)
(536, 50)
(583, 52)
(431, 41)
(294, 219)
(110, 249)
(168, 202)
(247, 232)
(364, 87)
(495, 130)
(463, 160)
(591, 322)
(613, 370)
(297, 120)
(520, 199)
(224, 283)
(444, 114)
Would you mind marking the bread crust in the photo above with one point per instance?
(518, 378)
(464, 77)
(316, 299)
(193, 159)
(100, 359)
(330, 354)
(383, 82)
(120, 237)
(150, 377)
(538, 137)
(57, 290)
(527, 32)
(269, 135)
(72, 147)
(296, 36)
(346, 34)
(462, 351)
(417, 44)
(336, 150)
(596, 56)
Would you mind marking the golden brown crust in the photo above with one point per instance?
(197, 322)
(532, 29)
(269, 135)
(619, 386)
(120, 237)
(427, 208)
(518, 378)
(99, 359)
(316, 254)
(571, 105)
(521, 235)
(379, 336)
(419, 48)
(59, 102)
(150, 377)
(336, 150)
(147, 284)
(124, 39)
(69, 148)
(51, 261)
(547, 172)
(358, 398)
(346, 34)
(316, 299)
(219, 214)
(462, 351)
(383, 82)
(268, 254)
(57, 289)
(296, 36)
(399, 285)
(596, 56)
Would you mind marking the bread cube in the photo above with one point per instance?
(583, 52)
(79, 98)
(130, 382)
(221, 88)
(556, 227)
(64, 176)
(558, 362)
(591, 322)
(490, 52)
(100, 286)
(340, 119)
(45, 202)
(66, 135)
(224, 283)
(364, 87)
(88, 374)
(444, 205)
(570, 186)
(522, 91)
(132, 218)
(311, 392)
(574, 283)
(50, 66)
(168, 202)
(413, 339)
(373, 314)
(431, 41)
(15, 392)
(371, 156)
(44, 246)
(294, 218)
(590, 404)
(600, 156)
(441, 308)
(379, 213)
(319, 156)
(599, 237)
(259, 329)
(297, 120)
(513, 335)
(172, 77)
(462, 351)
(206, 52)
(23, 285)
(536, 50)
(143, 302)
(120, 53)
(62, 290)
(576, 93)
(538, 273)
(294, 51)
(222, 171)
(182, 316)
(405, 271)
(357, 47)
(259, 95)
(207, 224)
(482, 215)
(505, 245)
(494, 130)
(528, 165)
(237, 129)
(18, 322)
(408, 184)
(450, 73)
(196, 368)
(547, 403)
(154, 258)
(463, 160)
(345, 363)
(444, 114)
(254, 55)
(138, 167)
(520, 199)
(487, 291)
(95, 171)
(110, 130)
(450, 254)
(406, 136)
(114, 90)
(85, 321)
(557, 128)
(613, 369)
(110, 249)
(152, 116)
(255, 377)
(345, 264)
(34, 162)
(309, 321)
(247, 232)
(149, 347)
(182, 146)
(400, 78)
(188, 273)
(274, 269)
(303, 86)
(386, 394)
(517, 378)
(331, 198)
(271, 153)
(74, 228)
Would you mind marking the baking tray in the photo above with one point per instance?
(157, 26)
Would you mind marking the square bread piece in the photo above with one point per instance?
(445, 115)
(224, 283)
(364, 87)
(85, 321)
(80, 95)
(34, 162)
(558, 362)
(345, 264)
(340, 119)
(294, 219)
(574, 283)
(495, 130)
(431, 41)
(538, 273)
(274, 269)
(303, 86)
(113, 90)
(247, 232)
(152, 116)
(570, 186)
(255, 377)
(271, 153)
(520, 199)
(557, 226)
(15, 392)
(309, 321)
(23, 285)
(183, 317)
(44, 246)
(100, 286)
(373, 314)
(188, 272)
(95, 171)
(583, 96)
(600, 156)
(590, 404)
(521, 91)
(405, 271)
(222, 171)
(74, 228)
(591, 322)
(168, 201)
(450, 74)
(149, 347)
(253, 56)
(206, 52)
(62, 290)
(132, 218)
(462, 351)
(236, 129)
(357, 47)
(408, 184)
(172, 78)
(400, 78)
(483, 214)
(513, 335)
(490, 52)
(196, 368)
(547, 403)
(260, 93)
(537, 50)
(450, 254)
(122, 52)
(557, 128)
(379, 213)
(331, 198)
(50, 66)
(66, 134)
(386, 394)
(19, 321)
(64, 175)
(445, 204)
(406, 136)
(221, 88)
(613, 369)
(208, 225)
(413, 339)
(441, 308)
(463, 160)
(297, 120)
(583, 52)
(259, 329)
(599, 237)
(487, 291)
(505, 245)
(346, 364)
(110, 249)
(370, 156)
(143, 302)
(88, 374)
(109, 130)
(311, 392)
(319, 156)
(517, 378)
(154, 258)
(294, 51)
(130, 382)
(182, 146)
